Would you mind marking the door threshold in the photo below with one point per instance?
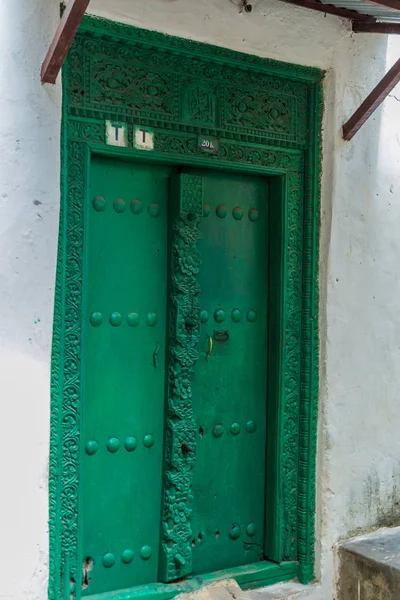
(247, 576)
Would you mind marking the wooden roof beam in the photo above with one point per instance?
(332, 10)
(371, 103)
(63, 38)
(376, 27)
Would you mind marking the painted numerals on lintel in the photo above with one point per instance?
(208, 144)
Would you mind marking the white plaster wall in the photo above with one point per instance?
(272, 29)
(29, 204)
(359, 445)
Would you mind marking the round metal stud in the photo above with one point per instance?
(251, 529)
(148, 440)
(154, 209)
(145, 552)
(221, 211)
(253, 214)
(133, 319)
(219, 315)
(151, 319)
(115, 319)
(218, 430)
(235, 429)
(206, 210)
(91, 447)
(237, 213)
(130, 443)
(99, 203)
(136, 207)
(252, 316)
(113, 444)
(236, 315)
(204, 316)
(96, 319)
(251, 426)
(108, 560)
(127, 556)
(235, 532)
(119, 205)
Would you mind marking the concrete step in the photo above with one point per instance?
(370, 566)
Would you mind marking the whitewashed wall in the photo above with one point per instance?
(29, 204)
(359, 443)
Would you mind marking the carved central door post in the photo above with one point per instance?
(184, 329)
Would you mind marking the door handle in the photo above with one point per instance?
(210, 345)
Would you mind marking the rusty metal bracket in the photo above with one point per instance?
(371, 103)
(63, 38)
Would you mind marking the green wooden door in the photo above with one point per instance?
(230, 379)
(124, 373)
(173, 416)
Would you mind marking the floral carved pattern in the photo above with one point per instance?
(70, 390)
(259, 110)
(56, 411)
(140, 89)
(184, 336)
(231, 152)
(154, 85)
(292, 360)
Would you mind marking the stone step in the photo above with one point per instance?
(370, 566)
(230, 590)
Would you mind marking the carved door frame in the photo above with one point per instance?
(266, 116)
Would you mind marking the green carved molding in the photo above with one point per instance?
(186, 89)
(310, 341)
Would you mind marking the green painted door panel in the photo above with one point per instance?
(123, 377)
(229, 386)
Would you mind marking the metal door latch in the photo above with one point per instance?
(221, 335)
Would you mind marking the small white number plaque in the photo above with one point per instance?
(143, 138)
(116, 134)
